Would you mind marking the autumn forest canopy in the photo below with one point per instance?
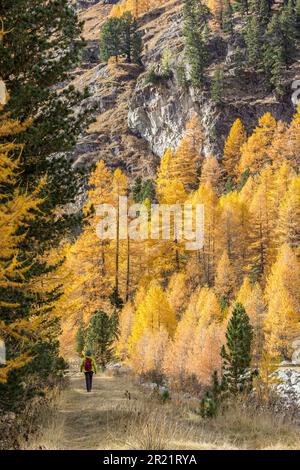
(215, 321)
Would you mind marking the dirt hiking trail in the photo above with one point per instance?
(90, 418)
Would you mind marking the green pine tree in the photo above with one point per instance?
(111, 39)
(227, 17)
(131, 40)
(80, 338)
(43, 44)
(252, 36)
(287, 34)
(297, 17)
(274, 59)
(241, 5)
(143, 190)
(236, 354)
(101, 334)
(217, 87)
(120, 37)
(195, 22)
(211, 400)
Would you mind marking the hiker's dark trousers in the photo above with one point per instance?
(88, 380)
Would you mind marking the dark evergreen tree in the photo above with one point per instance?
(120, 37)
(131, 39)
(297, 17)
(41, 44)
(211, 400)
(195, 21)
(264, 11)
(115, 299)
(236, 355)
(143, 190)
(253, 39)
(287, 33)
(227, 18)
(101, 334)
(80, 338)
(217, 87)
(111, 39)
(242, 5)
(239, 61)
(274, 59)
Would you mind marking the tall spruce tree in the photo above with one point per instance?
(120, 37)
(196, 15)
(297, 17)
(217, 86)
(288, 31)
(253, 38)
(110, 39)
(227, 18)
(80, 338)
(236, 354)
(131, 40)
(101, 335)
(43, 43)
(242, 5)
(274, 59)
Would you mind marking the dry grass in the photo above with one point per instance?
(154, 426)
(148, 425)
(245, 428)
(49, 432)
(118, 414)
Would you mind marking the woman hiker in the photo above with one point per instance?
(89, 367)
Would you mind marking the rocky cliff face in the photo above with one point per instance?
(110, 88)
(158, 113)
(136, 120)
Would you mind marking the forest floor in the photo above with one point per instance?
(120, 414)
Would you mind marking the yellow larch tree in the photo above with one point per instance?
(119, 189)
(226, 282)
(293, 142)
(171, 191)
(263, 221)
(126, 317)
(232, 149)
(288, 227)
(91, 258)
(252, 298)
(207, 255)
(204, 357)
(178, 349)
(153, 313)
(282, 322)
(234, 229)
(16, 210)
(283, 176)
(208, 307)
(187, 158)
(212, 173)
(256, 151)
(136, 7)
(278, 150)
(177, 292)
(164, 174)
(149, 353)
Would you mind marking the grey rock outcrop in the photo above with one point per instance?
(159, 112)
(289, 386)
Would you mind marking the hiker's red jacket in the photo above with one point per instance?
(94, 366)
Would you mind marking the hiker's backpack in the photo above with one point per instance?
(88, 365)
